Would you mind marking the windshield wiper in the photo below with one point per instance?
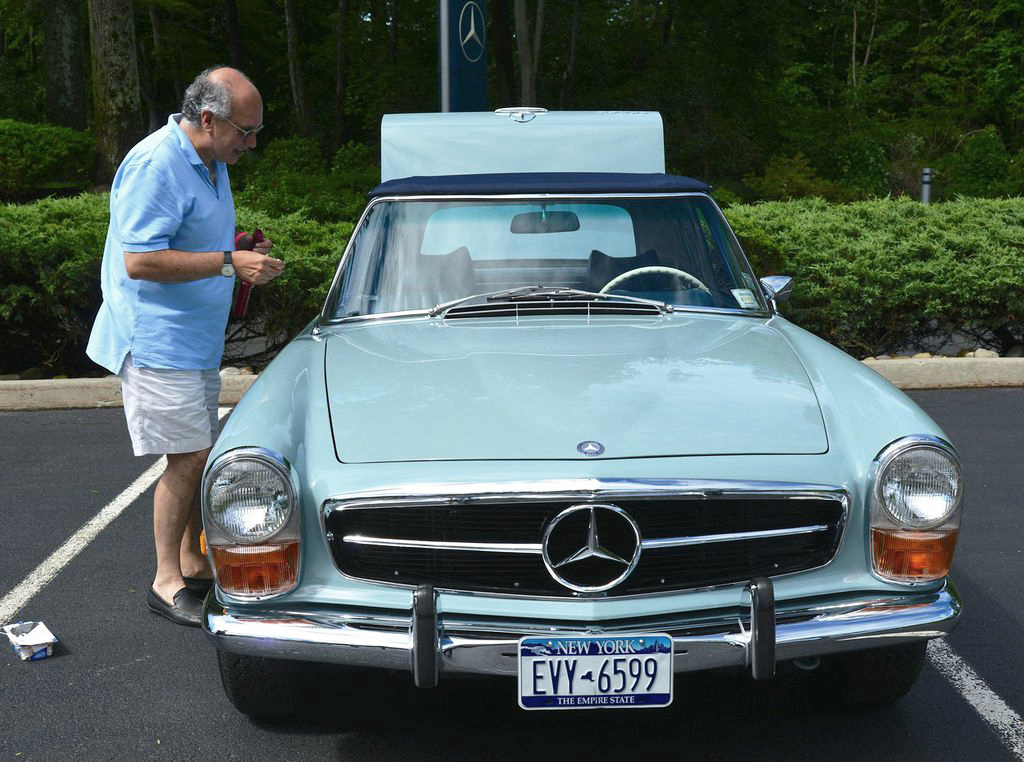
(552, 293)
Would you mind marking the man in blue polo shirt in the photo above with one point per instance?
(169, 268)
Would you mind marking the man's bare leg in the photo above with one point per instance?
(172, 506)
(193, 562)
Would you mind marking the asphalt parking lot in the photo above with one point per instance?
(125, 683)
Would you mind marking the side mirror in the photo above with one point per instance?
(777, 288)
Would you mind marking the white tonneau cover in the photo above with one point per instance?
(520, 140)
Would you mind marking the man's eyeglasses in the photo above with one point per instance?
(245, 133)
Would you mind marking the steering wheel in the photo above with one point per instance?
(654, 269)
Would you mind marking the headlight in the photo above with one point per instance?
(917, 499)
(250, 499)
(251, 516)
(920, 486)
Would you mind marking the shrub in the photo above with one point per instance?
(291, 176)
(892, 274)
(858, 165)
(37, 158)
(49, 280)
(50, 256)
(977, 167)
(311, 251)
(787, 178)
(726, 198)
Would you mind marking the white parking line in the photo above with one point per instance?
(22, 593)
(993, 710)
(12, 603)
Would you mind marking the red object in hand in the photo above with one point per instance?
(244, 242)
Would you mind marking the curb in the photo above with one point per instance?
(70, 393)
(951, 372)
(904, 373)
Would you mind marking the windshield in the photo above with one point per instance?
(417, 254)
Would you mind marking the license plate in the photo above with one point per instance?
(608, 672)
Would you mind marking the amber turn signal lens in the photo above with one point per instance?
(909, 556)
(249, 570)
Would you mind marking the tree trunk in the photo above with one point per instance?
(291, 21)
(571, 62)
(149, 75)
(529, 52)
(669, 21)
(234, 30)
(115, 83)
(341, 70)
(65, 75)
(504, 61)
(393, 33)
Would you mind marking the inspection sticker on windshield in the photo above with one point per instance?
(607, 672)
(745, 298)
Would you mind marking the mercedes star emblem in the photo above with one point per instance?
(471, 31)
(590, 448)
(591, 548)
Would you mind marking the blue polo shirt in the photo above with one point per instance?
(162, 198)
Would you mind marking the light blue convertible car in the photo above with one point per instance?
(549, 425)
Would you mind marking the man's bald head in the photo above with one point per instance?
(218, 90)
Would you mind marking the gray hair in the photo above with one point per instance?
(206, 94)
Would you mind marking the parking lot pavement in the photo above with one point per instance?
(127, 683)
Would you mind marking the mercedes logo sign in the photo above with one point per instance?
(471, 32)
(591, 548)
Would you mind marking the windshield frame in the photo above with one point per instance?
(326, 316)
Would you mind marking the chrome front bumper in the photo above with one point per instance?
(432, 645)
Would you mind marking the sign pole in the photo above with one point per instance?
(445, 52)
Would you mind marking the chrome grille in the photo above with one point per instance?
(494, 543)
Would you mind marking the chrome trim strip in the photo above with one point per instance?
(682, 542)
(536, 548)
(606, 489)
(488, 647)
(483, 547)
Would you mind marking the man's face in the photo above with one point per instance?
(229, 136)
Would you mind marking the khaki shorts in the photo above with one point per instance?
(170, 411)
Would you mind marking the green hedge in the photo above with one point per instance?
(871, 276)
(893, 274)
(291, 176)
(39, 158)
(50, 255)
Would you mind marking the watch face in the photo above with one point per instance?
(227, 271)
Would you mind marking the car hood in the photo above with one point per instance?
(418, 389)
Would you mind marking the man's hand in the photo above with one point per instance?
(255, 266)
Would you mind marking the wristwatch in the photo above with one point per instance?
(228, 268)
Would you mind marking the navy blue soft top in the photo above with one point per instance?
(540, 182)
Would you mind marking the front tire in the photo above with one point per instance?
(878, 676)
(262, 687)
